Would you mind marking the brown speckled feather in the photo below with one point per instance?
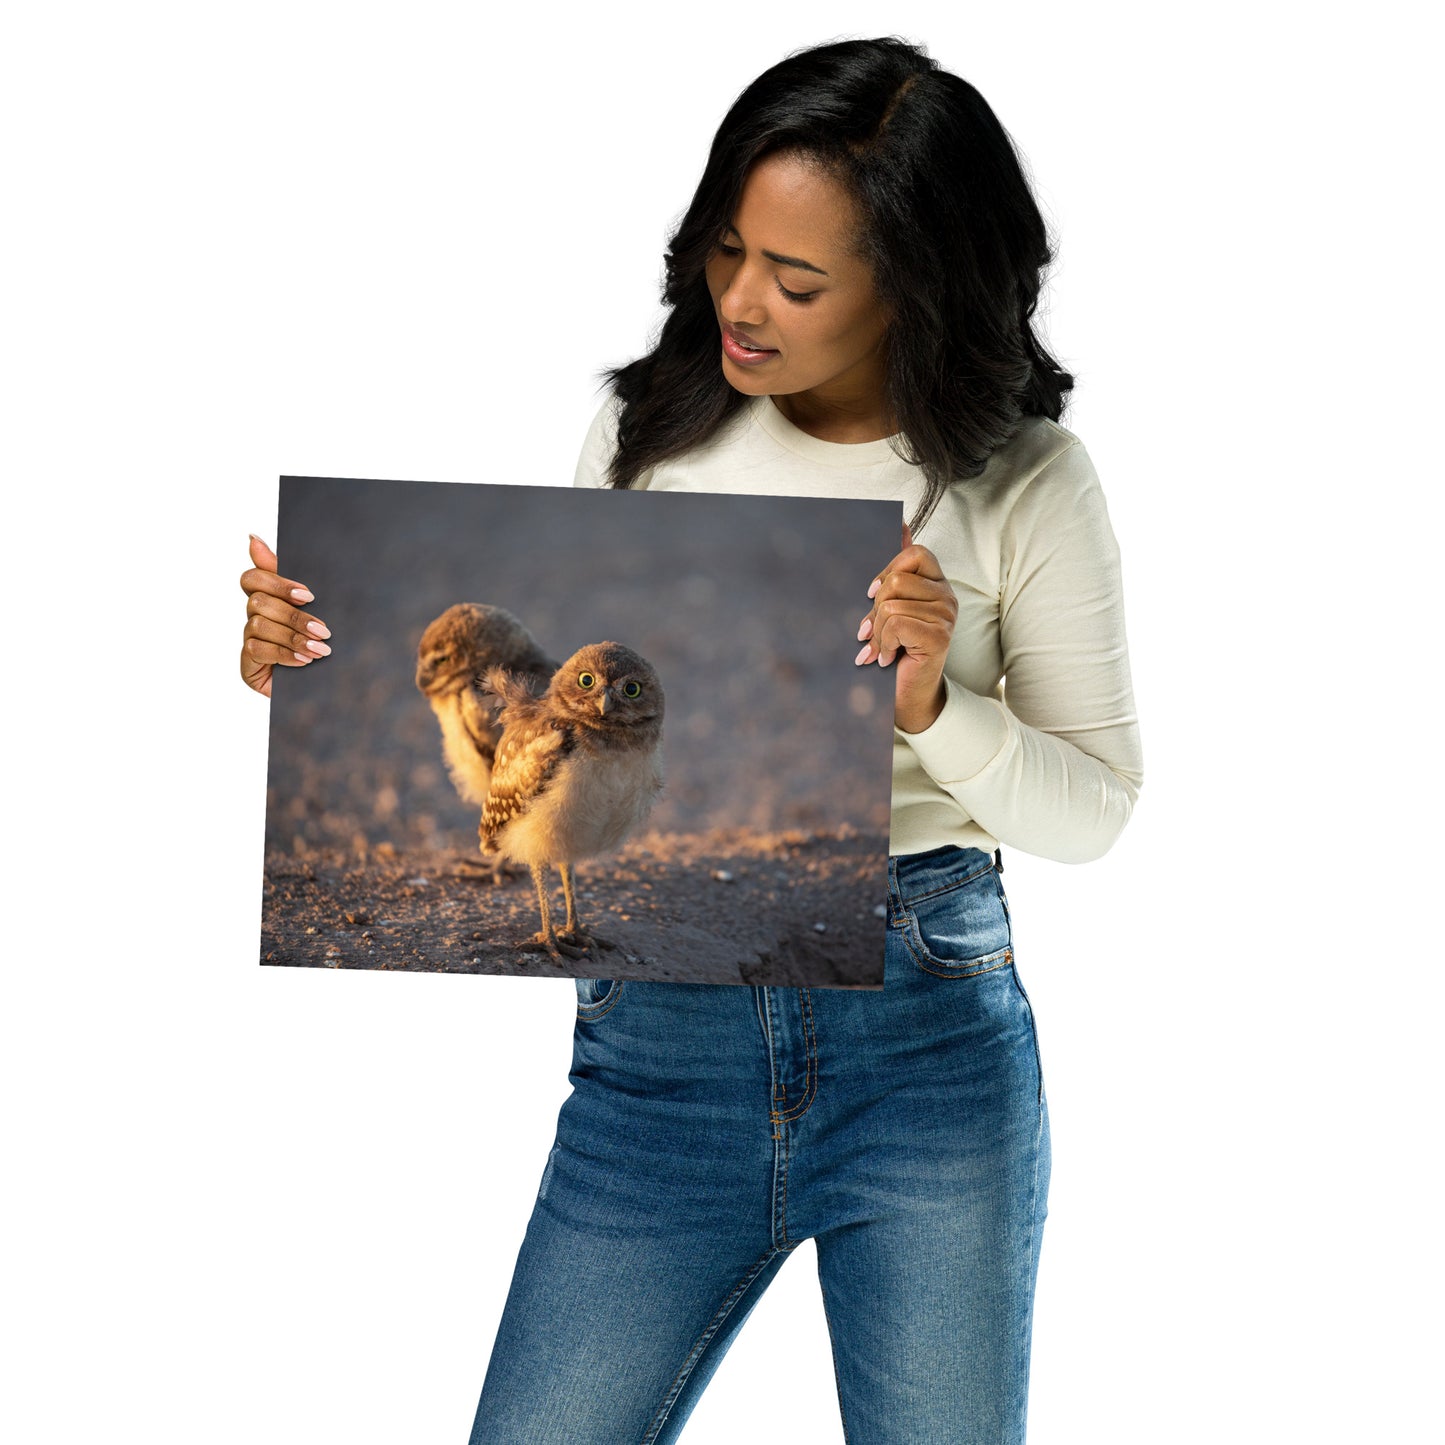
(576, 772)
(455, 650)
(532, 746)
(477, 710)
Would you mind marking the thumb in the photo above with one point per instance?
(907, 535)
(261, 555)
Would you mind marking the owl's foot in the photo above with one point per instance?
(494, 870)
(561, 946)
(576, 934)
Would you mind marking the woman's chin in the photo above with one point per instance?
(740, 378)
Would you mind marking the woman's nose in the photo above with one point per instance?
(742, 300)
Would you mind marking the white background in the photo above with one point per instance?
(271, 1205)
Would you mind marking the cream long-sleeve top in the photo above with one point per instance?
(1037, 746)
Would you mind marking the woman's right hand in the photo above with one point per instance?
(277, 631)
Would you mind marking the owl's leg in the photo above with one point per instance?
(569, 892)
(574, 932)
(539, 878)
(559, 945)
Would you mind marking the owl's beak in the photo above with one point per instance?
(605, 701)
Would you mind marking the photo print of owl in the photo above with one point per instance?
(566, 732)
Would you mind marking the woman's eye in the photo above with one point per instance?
(631, 689)
(585, 679)
(725, 250)
(796, 295)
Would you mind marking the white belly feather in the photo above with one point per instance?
(590, 804)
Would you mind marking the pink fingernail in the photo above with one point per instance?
(866, 629)
(302, 657)
(877, 583)
(302, 595)
(318, 629)
(863, 654)
(319, 648)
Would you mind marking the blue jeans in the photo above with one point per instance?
(711, 1129)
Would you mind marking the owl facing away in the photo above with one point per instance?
(576, 771)
(456, 652)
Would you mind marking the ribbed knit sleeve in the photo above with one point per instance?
(1055, 767)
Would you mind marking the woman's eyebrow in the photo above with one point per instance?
(794, 261)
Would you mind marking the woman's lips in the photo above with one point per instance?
(739, 347)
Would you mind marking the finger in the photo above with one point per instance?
(265, 568)
(262, 555)
(913, 595)
(923, 632)
(257, 579)
(918, 636)
(911, 584)
(911, 559)
(935, 614)
(297, 642)
(262, 650)
(938, 607)
(274, 609)
(907, 536)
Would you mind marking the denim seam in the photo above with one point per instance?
(947, 887)
(1034, 1033)
(782, 1152)
(703, 1340)
(895, 897)
(778, 1119)
(1022, 1344)
(777, 1203)
(810, 1085)
(774, 1081)
(833, 1350)
(588, 1012)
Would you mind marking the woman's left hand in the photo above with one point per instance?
(911, 624)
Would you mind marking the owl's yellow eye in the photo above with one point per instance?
(631, 689)
(586, 679)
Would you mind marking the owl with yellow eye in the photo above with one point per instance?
(576, 771)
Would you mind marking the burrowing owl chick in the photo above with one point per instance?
(457, 650)
(575, 772)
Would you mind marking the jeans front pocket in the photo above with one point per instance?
(961, 929)
(595, 996)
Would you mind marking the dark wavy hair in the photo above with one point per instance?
(949, 226)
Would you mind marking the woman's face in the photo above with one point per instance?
(796, 305)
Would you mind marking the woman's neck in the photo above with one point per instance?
(838, 419)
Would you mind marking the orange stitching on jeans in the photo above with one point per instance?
(780, 1223)
(589, 1011)
(779, 1089)
(778, 1092)
(810, 1086)
(939, 969)
(782, 1157)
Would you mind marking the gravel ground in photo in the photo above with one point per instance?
(731, 906)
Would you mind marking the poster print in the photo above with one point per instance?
(697, 775)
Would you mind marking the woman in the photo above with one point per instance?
(850, 299)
